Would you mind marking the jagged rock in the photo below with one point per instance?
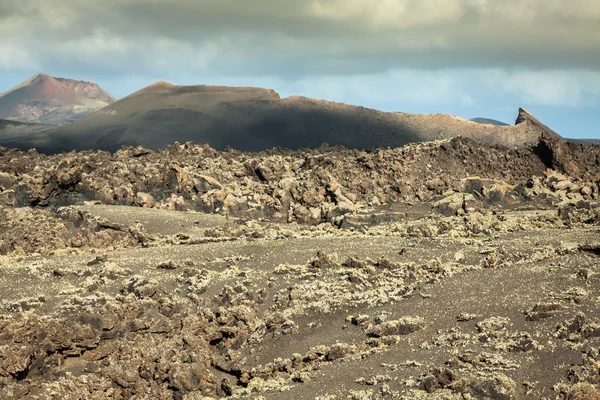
(423, 230)
(340, 350)
(324, 260)
(206, 183)
(404, 326)
(336, 185)
(544, 311)
(557, 155)
(141, 287)
(451, 205)
(144, 199)
(492, 191)
(562, 185)
(497, 386)
(29, 230)
(586, 191)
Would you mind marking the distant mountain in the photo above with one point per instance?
(254, 119)
(588, 142)
(489, 121)
(49, 100)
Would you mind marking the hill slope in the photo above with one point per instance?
(253, 119)
(15, 134)
(49, 100)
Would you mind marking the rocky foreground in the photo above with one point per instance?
(443, 270)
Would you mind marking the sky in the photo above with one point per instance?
(471, 58)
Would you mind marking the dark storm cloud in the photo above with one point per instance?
(298, 38)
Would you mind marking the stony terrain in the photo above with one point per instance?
(441, 270)
(308, 186)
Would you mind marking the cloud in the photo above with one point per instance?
(402, 89)
(400, 86)
(99, 44)
(400, 14)
(15, 58)
(298, 38)
(392, 14)
(559, 88)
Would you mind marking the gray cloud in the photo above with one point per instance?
(293, 38)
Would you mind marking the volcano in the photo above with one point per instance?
(54, 101)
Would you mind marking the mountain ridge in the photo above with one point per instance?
(255, 119)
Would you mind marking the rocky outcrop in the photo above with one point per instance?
(525, 117)
(29, 230)
(566, 157)
(308, 186)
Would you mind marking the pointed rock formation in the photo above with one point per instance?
(56, 101)
(525, 117)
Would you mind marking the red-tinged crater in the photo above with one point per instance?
(56, 101)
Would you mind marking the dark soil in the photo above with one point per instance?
(446, 270)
